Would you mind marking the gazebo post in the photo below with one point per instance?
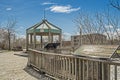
(41, 41)
(52, 38)
(27, 41)
(34, 39)
(31, 39)
(49, 37)
(60, 39)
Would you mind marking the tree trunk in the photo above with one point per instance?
(9, 46)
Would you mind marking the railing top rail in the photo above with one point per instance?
(108, 61)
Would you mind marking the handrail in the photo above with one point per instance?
(84, 58)
(73, 67)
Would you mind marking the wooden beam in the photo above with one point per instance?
(83, 71)
(34, 40)
(60, 39)
(31, 39)
(41, 42)
(115, 72)
(49, 37)
(108, 69)
(97, 64)
(69, 68)
(92, 70)
(52, 38)
(103, 72)
(80, 70)
(87, 64)
(27, 41)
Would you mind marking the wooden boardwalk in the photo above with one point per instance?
(71, 67)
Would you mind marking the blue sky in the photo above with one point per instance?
(59, 12)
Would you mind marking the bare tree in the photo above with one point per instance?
(115, 4)
(100, 23)
(87, 25)
(10, 28)
(3, 38)
(20, 42)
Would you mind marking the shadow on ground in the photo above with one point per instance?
(36, 74)
(22, 54)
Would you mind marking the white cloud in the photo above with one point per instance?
(63, 9)
(118, 29)
(112, 34)
(77, 33)
(109, 26)
(21, 36)
(48, 3)
(8, 9)
(66, 36)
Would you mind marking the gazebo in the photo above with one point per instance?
(41, 30)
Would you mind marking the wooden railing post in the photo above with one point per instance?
(103, 71)
(77, 66)
(69, 68)
(97, 73)
(115, 72)
(92, 70)
(83, 71)
(108, 70)
(87, 64)
(73, 69)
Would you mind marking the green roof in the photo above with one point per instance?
(44, 27)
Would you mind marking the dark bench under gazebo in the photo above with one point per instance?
(42, 29)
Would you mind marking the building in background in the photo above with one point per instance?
(88, 39)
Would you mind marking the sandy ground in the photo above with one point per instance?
(13, 67)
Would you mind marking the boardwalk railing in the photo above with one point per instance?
(70, 67)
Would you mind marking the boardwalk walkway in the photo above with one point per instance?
(13, 67)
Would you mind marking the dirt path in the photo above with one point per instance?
(13, 67)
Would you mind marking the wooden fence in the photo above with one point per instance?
(71, 67)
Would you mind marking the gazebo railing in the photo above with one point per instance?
(70, 67)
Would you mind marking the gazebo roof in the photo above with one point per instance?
(44, 27)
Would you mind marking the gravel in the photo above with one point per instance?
(13, 67)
